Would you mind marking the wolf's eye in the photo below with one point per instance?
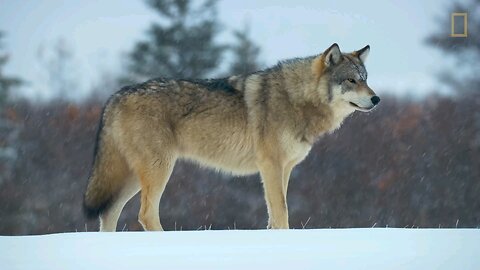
(351, 80)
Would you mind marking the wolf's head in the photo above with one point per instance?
(345, 78)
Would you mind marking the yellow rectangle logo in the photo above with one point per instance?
(465, 24)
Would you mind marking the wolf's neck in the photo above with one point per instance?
(317, 119)
(340, 112)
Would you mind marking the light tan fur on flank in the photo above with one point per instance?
(263, 122)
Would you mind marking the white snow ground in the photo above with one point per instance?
(374, 248)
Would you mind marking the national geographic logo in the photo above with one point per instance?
(459, 23)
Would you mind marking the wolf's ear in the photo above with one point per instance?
(333, 55)
(362, 53)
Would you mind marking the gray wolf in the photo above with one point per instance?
(262, 122)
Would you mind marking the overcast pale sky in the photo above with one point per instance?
(100, 32)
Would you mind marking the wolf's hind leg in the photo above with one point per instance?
(109, 219)
(153, 179)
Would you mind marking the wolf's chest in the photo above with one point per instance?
(295, 148)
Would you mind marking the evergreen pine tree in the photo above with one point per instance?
(245, 53)
(466, 50)
(6, 82)
(181, 46)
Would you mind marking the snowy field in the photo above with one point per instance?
(374, 248)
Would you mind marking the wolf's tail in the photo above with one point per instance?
(107, 176)
(97, 198)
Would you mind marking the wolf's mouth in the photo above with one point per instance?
(361, 108)
(354, 105)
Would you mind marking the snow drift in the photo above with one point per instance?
(373, 248)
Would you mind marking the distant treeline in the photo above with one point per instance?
(406, 164)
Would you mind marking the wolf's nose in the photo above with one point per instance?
(375, 100)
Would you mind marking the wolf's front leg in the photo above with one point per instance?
(272, 178)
